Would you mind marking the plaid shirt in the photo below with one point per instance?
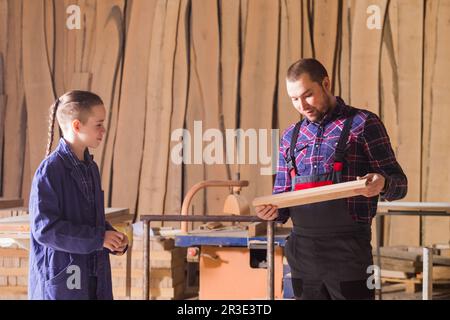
(83, 170)
(368, 150)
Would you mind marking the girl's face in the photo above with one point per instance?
(91, 133)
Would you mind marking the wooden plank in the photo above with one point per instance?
(229, 61)
(10, 203)
(416, 255)
(86, 41)
(49, 18)
(21, 224)
(436, 142)
(79, 46)
(156, 152)
(398, 254)
(259, 74)
(194, 169)
(15, 116)
(307, 29)
(401, 106)
(106, 61)
(3, 49)
(343, 71)
(131, 118)
(206, 48)
(410, 206)
(174, 185)
(60, 48)
(393, 274)
(440, 273)
(365, 57)
(229, 71)
(256, 229)
(107, 173)
(37, 79)
(290, 51)
(8, 252)
(326, 19)
(2, 119)
(243, 17)
(3, 34)
(313, 195)
(80, 81)
(28, 172)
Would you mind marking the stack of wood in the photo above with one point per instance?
(13, 273)
(167, 273)
(403, 265)
(13, 258)
(10, 207)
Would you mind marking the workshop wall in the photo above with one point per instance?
(160, 65)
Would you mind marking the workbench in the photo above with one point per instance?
(229, 265)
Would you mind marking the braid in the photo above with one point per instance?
(51, 128)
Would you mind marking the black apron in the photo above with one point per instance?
(328, 252)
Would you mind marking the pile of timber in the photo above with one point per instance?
(10, 207)
(13, 258)
(403, 265)
(167, 270)
(13, 273)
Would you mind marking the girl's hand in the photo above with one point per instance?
(120, 251)
(113, 240)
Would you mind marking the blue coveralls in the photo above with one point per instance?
(67, 231)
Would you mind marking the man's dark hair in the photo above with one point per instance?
(314, 68)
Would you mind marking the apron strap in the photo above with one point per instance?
(291, 161)
(340, 148)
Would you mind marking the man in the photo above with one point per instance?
(329, 248)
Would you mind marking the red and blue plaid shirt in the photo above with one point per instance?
(368, 150)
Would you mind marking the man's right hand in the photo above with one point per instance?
(113, 240)
(267, 212)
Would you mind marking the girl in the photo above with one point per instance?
(70, 238)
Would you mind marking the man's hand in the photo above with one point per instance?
(268, 212)
(375, 184)
(113, 240)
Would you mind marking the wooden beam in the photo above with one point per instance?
(290, 51)
(258, 88)
(10, 203)
(313, 195)
(174, 185)
(15, 116)
(436, 142)
(414, 206)
(256, 229)
(131, 120)
(156, 153)
(365, 56)
(37, 78)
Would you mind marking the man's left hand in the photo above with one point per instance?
(374, 186)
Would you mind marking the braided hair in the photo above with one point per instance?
(51, 127)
